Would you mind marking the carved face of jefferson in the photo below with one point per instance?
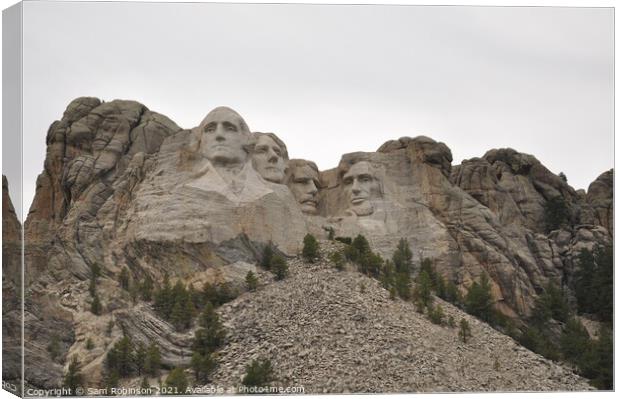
(270, 157)
(224, 137)
(361, 186)
(303, 181)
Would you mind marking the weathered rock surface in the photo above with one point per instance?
(124, 186)
(11, 289)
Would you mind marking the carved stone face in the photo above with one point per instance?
(304, 183)
(268, 159)
(224, 135)
(361, 186)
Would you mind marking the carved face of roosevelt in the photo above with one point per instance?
(361, 186)
(224, 136)
(269, 159)
(304, 183)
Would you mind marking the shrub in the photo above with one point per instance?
(177, 380)
(344, 240)
(279, 267)
(53, 348)
(258, 373)
(435, 314)
(464, 331)
(251, 281)
(310, 251)
(337, 259)
(451, 322)
(89, 344)
(555, 213)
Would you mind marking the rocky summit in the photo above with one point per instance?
(126, 196)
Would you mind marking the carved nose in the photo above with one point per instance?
(312, 188)
(273, 157)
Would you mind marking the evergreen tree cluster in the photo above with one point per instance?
(126, 359)
(593, 358)
(594, 289)
(179, 304)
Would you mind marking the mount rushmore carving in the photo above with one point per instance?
(125, 187)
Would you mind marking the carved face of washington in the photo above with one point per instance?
(269, 157)
(225, 136)
(303, 181)
(360, 187)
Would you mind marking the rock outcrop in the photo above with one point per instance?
(125, 187)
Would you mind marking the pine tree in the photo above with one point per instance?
(310, 251)
(73, 379)
(152, 362)
(203, 366)
(140, 358)
(124, 279)
(251, 281)
(279, 267)
(121, 358)
(177, 380)
(95, 305)
(267, 255)
(402, 257)
(464, 331)
(423, 288)
(258, 373)
(211, 334)
(146, 288)
(479, 301)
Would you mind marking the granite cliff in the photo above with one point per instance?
(124, 187)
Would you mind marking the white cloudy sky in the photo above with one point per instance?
(336, 79)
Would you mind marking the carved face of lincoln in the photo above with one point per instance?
(269, 157)
(303, 181)
(360, 187)
(224, 137)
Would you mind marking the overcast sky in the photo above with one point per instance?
(330, 80)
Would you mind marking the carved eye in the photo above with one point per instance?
(277, 151)
(230, 127)
(210, 128)
(261, 149)
(365, 178)
(348, 180)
